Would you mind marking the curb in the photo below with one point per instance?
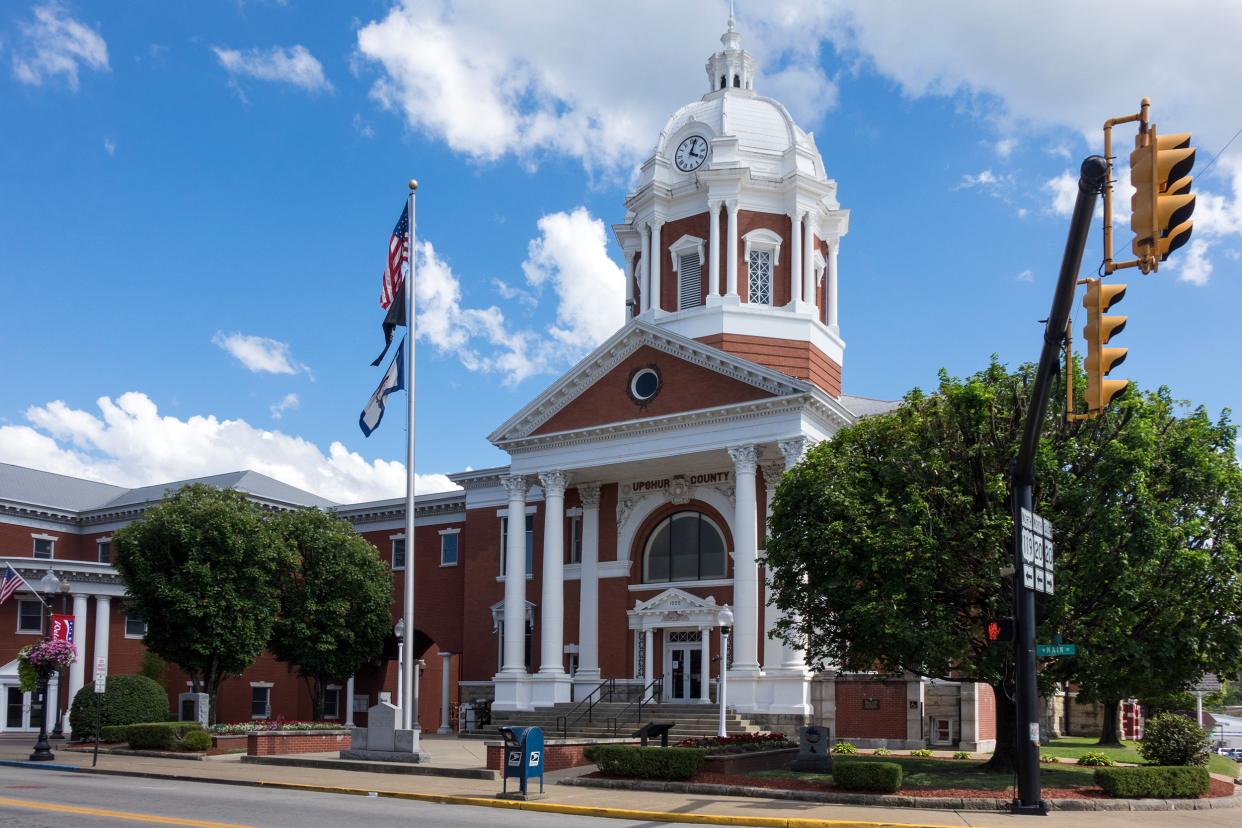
(156, 754)
(610, 813)
(372, 767)
(898, 801)
(9, 763)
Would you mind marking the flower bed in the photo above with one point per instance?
(272, 724)
(741, 743)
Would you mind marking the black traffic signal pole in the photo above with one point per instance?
(1090, 183)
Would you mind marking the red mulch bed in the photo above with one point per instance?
(1218, 788)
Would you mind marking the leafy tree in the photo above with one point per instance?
(334, 601)
(202, 568)
(888, 542)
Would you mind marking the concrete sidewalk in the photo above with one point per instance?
(452, 752)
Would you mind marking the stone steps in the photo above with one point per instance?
(693, 720)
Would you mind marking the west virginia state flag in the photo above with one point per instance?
(394, 380)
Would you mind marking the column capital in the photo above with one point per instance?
(714, 205)
(554, 482)
(657, 222)
(746, 458)
(796, 214)
(645, 228)
(794, 450)
(629, 256)
(589, 492)
(772, 475)
(516, 485)
(731, 204)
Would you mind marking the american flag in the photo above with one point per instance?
(10, 583)
(398, 255)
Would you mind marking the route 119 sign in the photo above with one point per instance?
(1037, 570)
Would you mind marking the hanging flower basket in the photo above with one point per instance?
(38, 661)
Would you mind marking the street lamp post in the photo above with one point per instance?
(59, 731)
(42, 750)
(725, 617)
(399, 631)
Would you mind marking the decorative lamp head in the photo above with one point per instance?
(65, 586)
(49, 583)
(725, 616)
(400, 628)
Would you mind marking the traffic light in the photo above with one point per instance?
(999, 631)
(1098, 331)
(1162, 203)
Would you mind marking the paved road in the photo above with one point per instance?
(71, 800)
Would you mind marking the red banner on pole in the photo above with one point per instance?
(62, 628)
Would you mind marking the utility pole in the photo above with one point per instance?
(1092, 178)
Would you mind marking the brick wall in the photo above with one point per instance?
(555, 757)
(888, 722)
(277, 742)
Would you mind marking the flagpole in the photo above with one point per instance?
(409, 675)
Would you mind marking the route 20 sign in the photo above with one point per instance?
(1037, 570)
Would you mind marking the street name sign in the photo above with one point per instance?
(1054, 649)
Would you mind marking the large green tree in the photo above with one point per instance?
(888, 542)
(202, 568)
(334, 601)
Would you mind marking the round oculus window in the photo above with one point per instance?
(644, 384)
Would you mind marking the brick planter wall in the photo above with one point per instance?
(274, 742)
(229, 741)
(733, 764)
(555, 756)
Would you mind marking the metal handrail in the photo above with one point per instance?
(562, 722)
(657, 692)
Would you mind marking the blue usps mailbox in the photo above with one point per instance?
(523, 755)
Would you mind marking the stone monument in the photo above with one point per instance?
(382, 741)
(814, 750)
(193, 707)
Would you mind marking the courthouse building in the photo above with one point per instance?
(634, 504)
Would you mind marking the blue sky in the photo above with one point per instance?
(197, 202)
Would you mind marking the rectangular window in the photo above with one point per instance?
(331, 704)
(760, 278)
(690, 282)
(398, 554)
(448, 550)
(575, 540)
(29, 617)
(43, 548)
(260, 697)
(135, 627)
(530, 544)
(105, 551)
(500, 638)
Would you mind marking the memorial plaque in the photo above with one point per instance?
(814, 750)
(871, 704)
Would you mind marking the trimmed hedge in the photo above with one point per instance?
(867, 776)
(1154, 783)
(159, 735)
(127, 700)
(198, 740)
(114, 733)
(647, 762)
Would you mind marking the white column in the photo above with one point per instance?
(808, 260)
(77, 670)
(588, 602)
(552, 640)
(731, 250)
(515, 577)
(705, 682)
(745, 565)
(657, 259)
(444, 694)
(773, 648)
(349, 702)
(644, 268)
(648, 675)
(793, 452)
(630, 310)
(831, 291)
(795, 259)
(713, 251)
(103, 617)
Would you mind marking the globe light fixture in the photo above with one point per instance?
(725, 619)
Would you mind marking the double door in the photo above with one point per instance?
(683, 667)
(21, 710)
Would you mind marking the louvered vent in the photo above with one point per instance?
(690, 288)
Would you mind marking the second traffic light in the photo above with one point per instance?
(1162, 201)
(1098, 331)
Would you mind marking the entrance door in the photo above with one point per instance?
(14, 705)
(683, 666)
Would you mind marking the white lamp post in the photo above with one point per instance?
(399, 630)
(725, 617)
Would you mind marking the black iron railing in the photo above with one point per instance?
(571, 719)
(656, 696)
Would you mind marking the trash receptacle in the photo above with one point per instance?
(523, 755)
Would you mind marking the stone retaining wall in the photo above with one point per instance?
(275, 742)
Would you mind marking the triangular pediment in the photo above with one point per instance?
(694, 377)
(676, 608)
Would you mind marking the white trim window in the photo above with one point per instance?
(332, 702)
(942, 731)
(687, 253)
(449, 539)
(530, 544)
(44, 547)
(762, 255)
(30, 617)
(575, 540)
(105, 550)
(398, 552)
(260, 699)
(135, 627)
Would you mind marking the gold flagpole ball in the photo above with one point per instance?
(413, 184)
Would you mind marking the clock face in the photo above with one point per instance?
(691, 154)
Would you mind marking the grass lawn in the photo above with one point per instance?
(1074, 747)
(941, 773)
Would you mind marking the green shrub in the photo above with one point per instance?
(197, 740)
(127, 700)
(844, 747)
(867, 776)
(1095, 759)
(1049, 759)
(922, 753)
(591, 753)
(961, 754)
(883, 752)
(1154, 783)
(114, 733)
(647, 762)
(159, 735)
(1172, 740)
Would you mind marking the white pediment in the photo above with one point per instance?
(498, 614)
(674, 608)
(618, 347)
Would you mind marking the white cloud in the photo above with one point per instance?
(364, 129)
(1191, 263)
(259, 353)
(1064, 190)
(296, 66)
(290, 401)
(1005, 147)
(1027, 275)
(132, 445)
(110, 146)
(56, 44)
(983, 179)
(570, 257)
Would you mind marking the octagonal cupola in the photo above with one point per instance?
(733, 67)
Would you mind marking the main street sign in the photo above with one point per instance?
(1037, 553)
(1054, 649)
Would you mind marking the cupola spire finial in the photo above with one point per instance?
(732, 22)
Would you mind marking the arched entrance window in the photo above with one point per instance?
(685, 546)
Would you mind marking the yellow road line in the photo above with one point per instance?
(71, 809)
(611, 813)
